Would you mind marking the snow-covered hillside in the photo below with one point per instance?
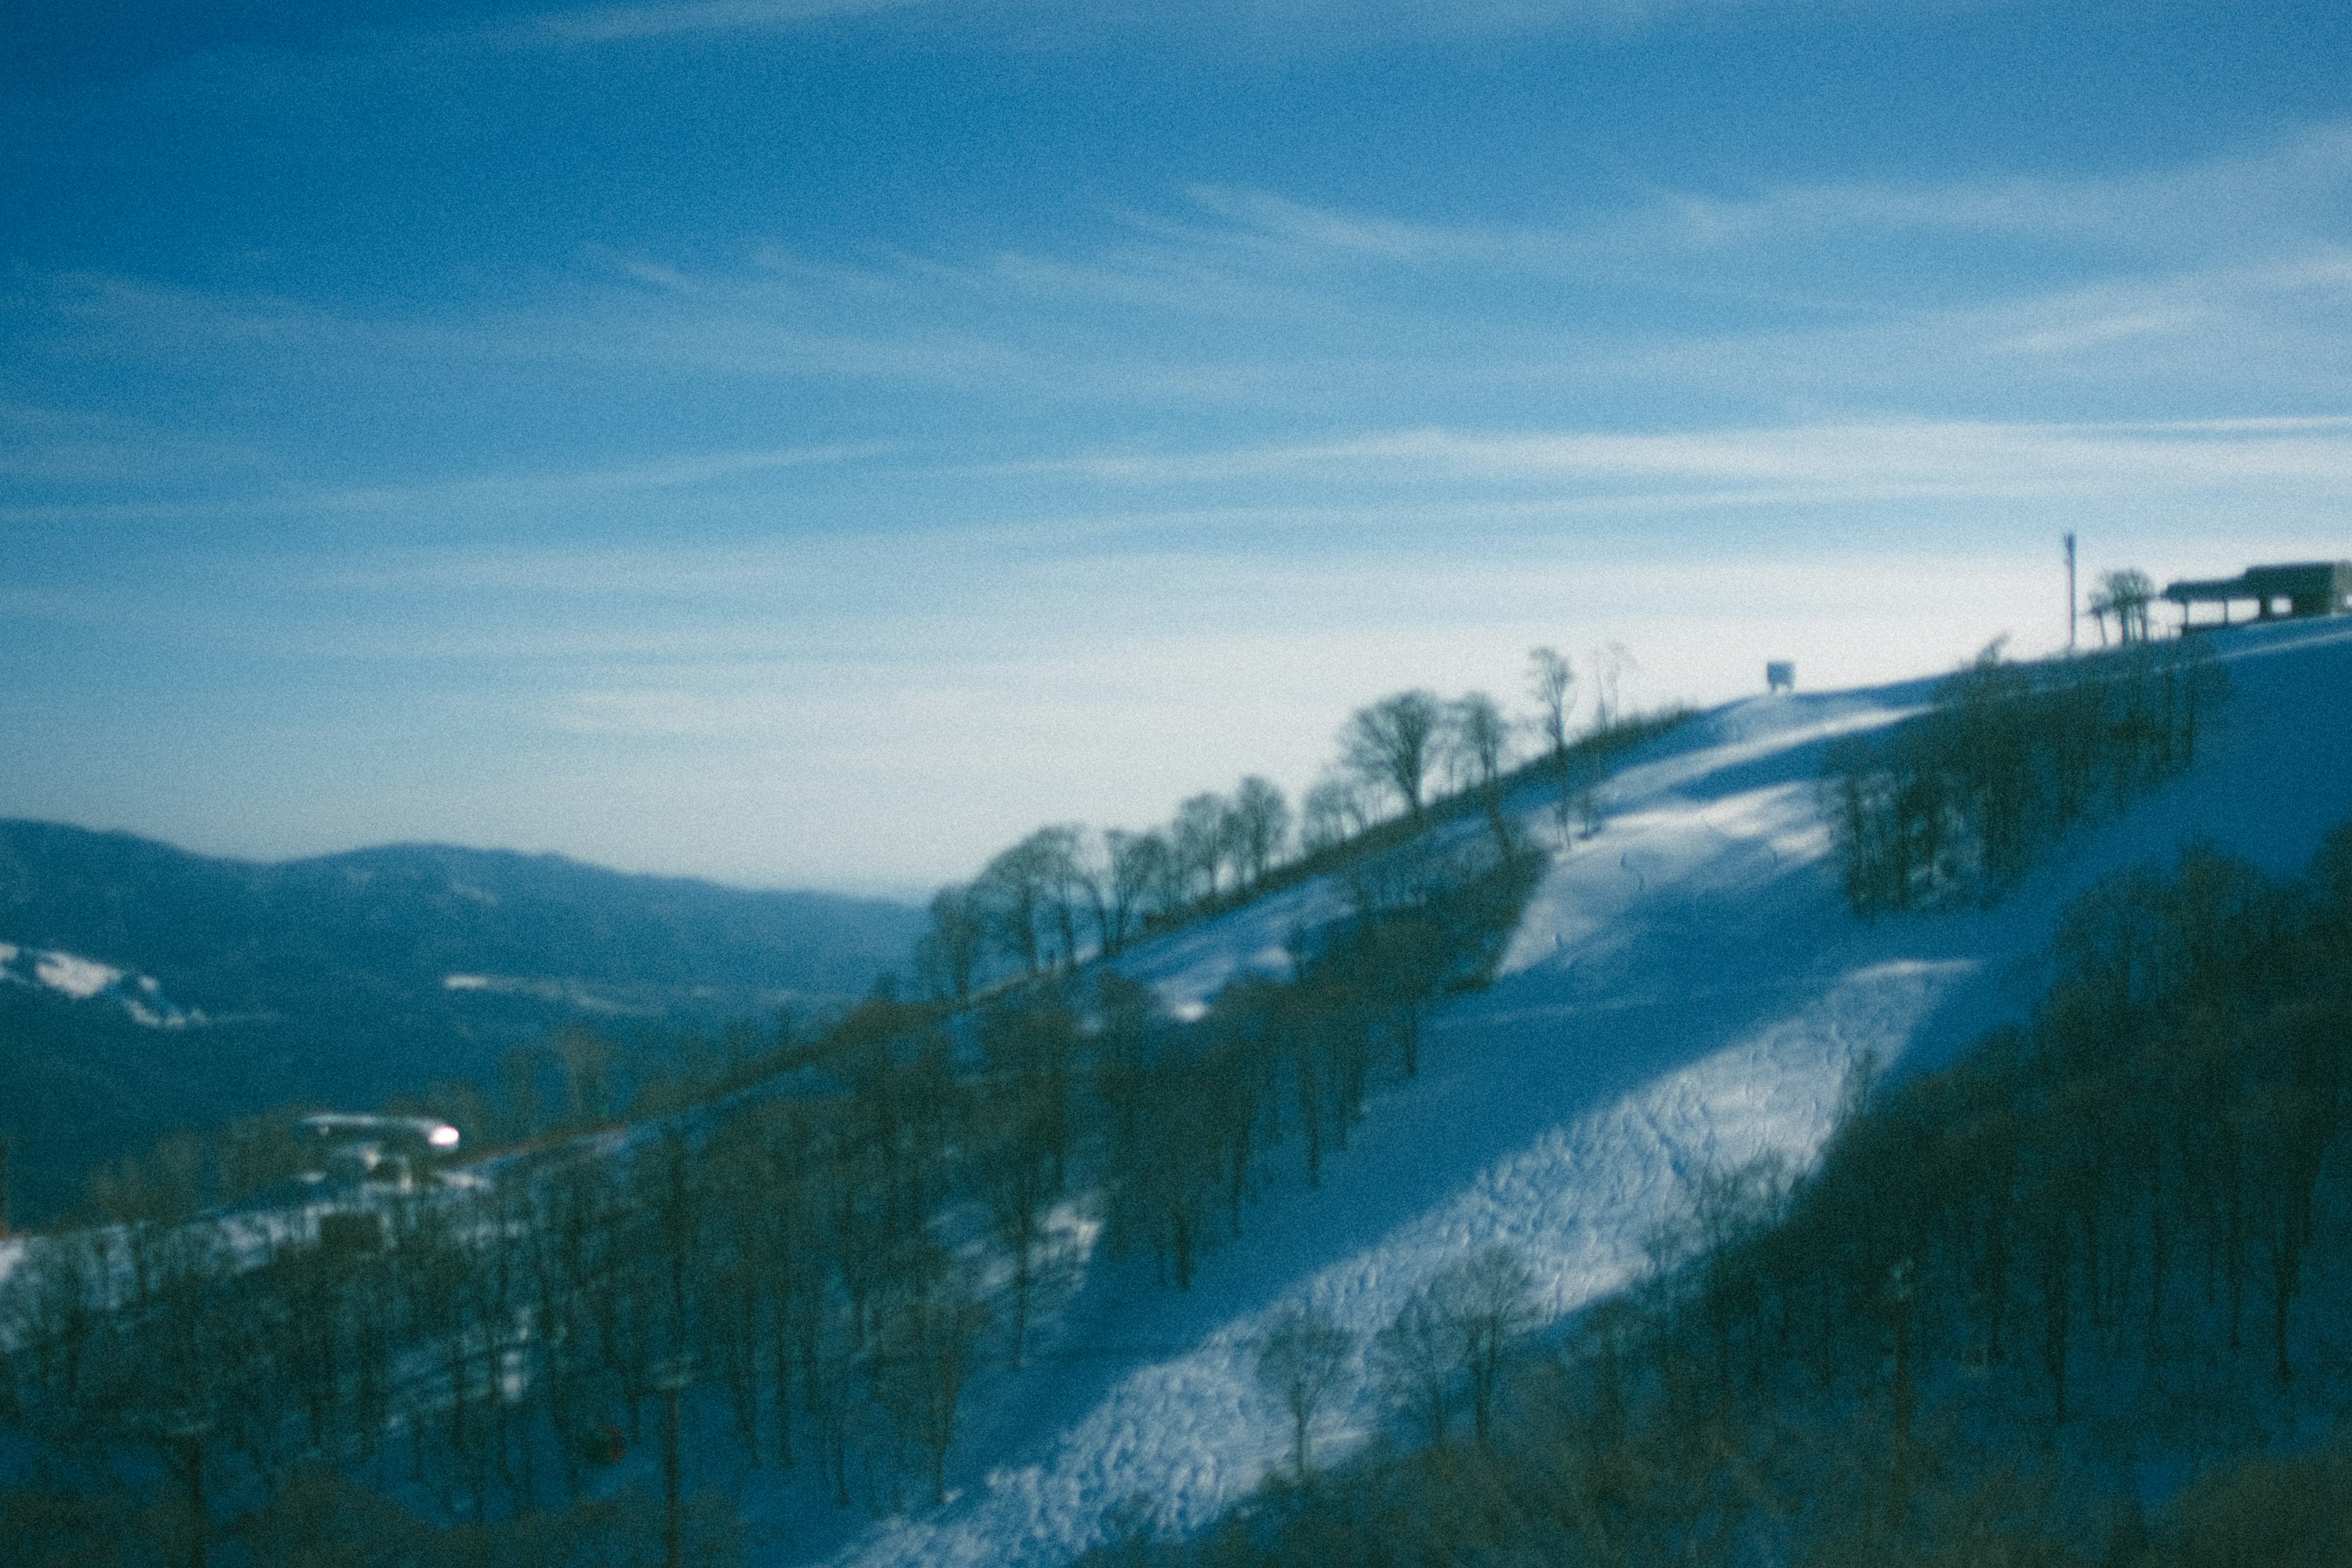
(70, 975)
(1685, 994)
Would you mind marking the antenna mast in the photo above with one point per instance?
(2070, 591)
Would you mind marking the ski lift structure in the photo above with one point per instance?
(2290, 592)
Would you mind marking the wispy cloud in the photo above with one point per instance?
(76, 451)
(1262, 215)
(2237, 301)
(614, 24)
(527, 489)
(1374, 351)
(523, 490)
(1244, 26)
(1235, 296)
(1823, 462)
(2298, 187)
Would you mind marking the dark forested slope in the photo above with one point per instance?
(350, 977)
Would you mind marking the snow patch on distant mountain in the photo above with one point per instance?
(569, 992)
(80, 979)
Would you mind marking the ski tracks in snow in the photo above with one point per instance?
(1180, 1441)
(1623, 957)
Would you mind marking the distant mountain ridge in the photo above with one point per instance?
(348, 977)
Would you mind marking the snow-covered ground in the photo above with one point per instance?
(1685, 994)
(79, 979)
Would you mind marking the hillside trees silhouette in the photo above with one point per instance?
(1953, 805)
(2131, 1167)
(1392, 744)
(1067, 894)
(1552, 682)
(794, 1246)
(1336, 809)
(1198, 840)
(1261, 827)
(1301, 1360)
(1457, 1330)
(1142, 869)
(948, 954)
(2126, 594)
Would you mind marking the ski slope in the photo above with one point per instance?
(1686, 994)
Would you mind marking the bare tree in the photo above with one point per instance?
(1070, 894)
(1490, 1300)
(1388, 744)
(1476, 740)
(669, 1186)
(2101, 606)
(1609, 663)
(1233, 845)
(1141, 868)
(1301, 1359)
(56, 1319)
(1013, 1168)
(928, 1349)
(1334, 811)
(1198, 838)
(521, 1070)
(1261, 825)
(1015, 893)
(1552, 682)
(2126, 594)
(1413, 1360)
(949, 955)
(587, 1062)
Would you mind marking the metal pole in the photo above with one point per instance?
(2070, 593)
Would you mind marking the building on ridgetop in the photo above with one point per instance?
(2304, 588)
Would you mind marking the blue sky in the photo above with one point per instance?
(810, 442)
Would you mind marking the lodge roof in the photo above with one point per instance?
(2302, 579)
